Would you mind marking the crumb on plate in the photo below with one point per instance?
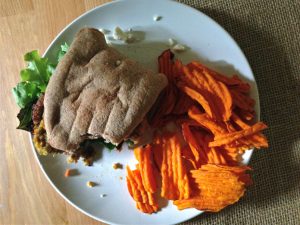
(117, 166)
(157, 18)
(71, 172)
(124, 36)
(102, 195)
(90, 184)
(179, 48)
(171, 42)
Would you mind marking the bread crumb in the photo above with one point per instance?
(70, 160)
(90, 184)
(117, 166)
(88, 161)
(121, 178)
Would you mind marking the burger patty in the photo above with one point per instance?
(87, 153)
(38, 110)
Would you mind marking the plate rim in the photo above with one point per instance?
(115, 2)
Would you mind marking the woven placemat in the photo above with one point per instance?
(269, 34)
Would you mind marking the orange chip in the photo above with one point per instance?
(146, 208)
(256, 140)
(242, 101)
(145, 200)
(170, 93)
(217, 187)
(146, 167)
(206, 122)
(175, 183)
(222, 96)
(233, 83)
(223, 139)
(197, 96)
(212, 94)
(183, 103)
(196, 148)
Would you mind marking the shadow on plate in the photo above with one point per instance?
(147, 53)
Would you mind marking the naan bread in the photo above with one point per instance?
(95, 92)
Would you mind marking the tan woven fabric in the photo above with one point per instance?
(268, 31)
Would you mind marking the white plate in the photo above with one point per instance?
(207, 41)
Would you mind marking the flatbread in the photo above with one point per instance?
(95, 92)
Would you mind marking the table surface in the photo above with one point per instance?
(26, 197)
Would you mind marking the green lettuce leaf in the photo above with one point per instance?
(130, 143)
(100, 141)
(25, 118)
(34, 80)
(108, 145)
(38, 70)
(63, 50)
(25, 93)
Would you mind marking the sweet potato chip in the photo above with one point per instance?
(204, 120)
(256, 140)
(242, 101)
(146, 167)
(233, 82)
(182, 105)
(175, 183)
(145, 200)
(197, 150)
(165, 61)
(198, 97)
(221, 96)
(217, 187)
(146, 208)
(230, 137)
(189, 159)
(157, 148)
(170, 93)
(218, 156)
(212, 94)
(198, 87)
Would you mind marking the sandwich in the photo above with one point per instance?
(95, 92)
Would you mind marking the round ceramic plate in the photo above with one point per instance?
(206, 41)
